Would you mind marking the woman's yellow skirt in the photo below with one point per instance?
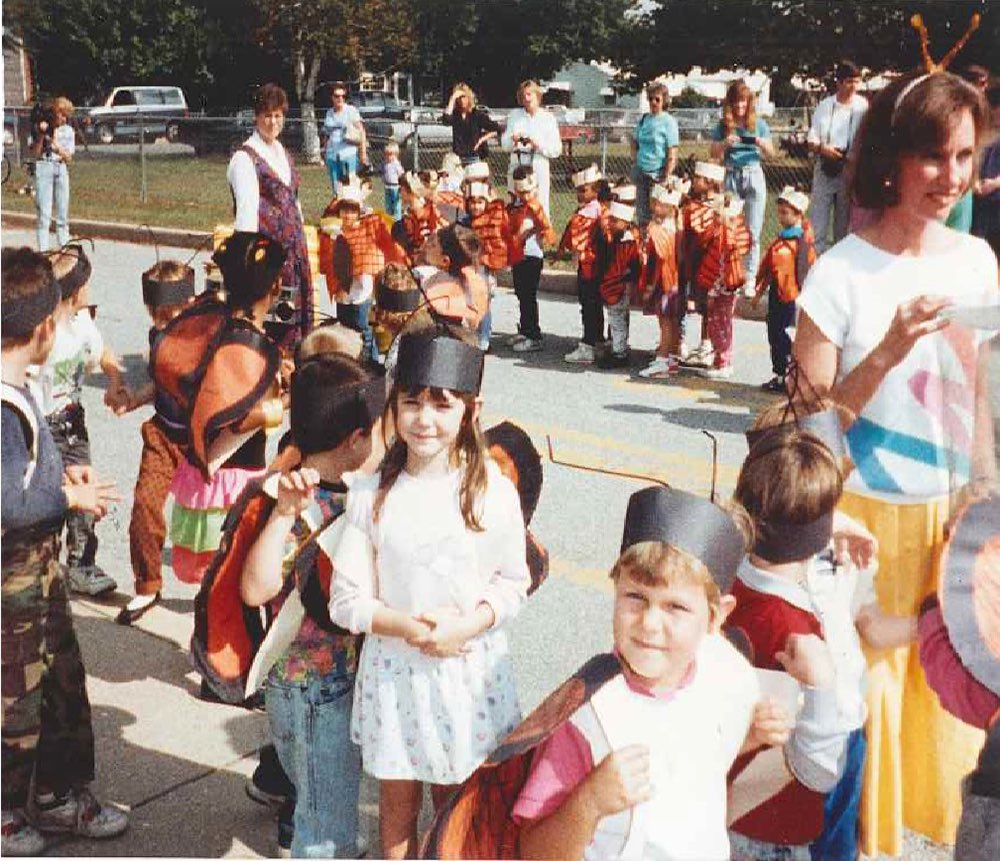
(917, 752)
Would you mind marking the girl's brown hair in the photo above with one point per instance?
(919, 122)
(468, 451)
(790, 477)
(461, 245)
(736, 91)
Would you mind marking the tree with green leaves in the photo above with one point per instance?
(347, 36)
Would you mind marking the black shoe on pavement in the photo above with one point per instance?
(130, 617)
(613, 360)
(776, 384)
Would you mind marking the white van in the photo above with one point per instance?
(127, 109)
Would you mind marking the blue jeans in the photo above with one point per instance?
(356, 317)
(748, 184)
(394, 201)
(341, 168)
(51, 191)
(311, 729)
(839, 838)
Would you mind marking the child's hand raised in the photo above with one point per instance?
(772, 725)
(621, 781)
(806, 658)
(295, 492)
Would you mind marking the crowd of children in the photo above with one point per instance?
(387, 541)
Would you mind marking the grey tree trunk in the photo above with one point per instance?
(306, 75)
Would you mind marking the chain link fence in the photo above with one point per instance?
(141, 160)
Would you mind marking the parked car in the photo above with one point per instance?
(223, 134)
(377, 104)
(126, 110)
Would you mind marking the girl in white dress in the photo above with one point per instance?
(430, 566)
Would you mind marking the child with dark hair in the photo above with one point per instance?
(167, 289)
(78, 349)
(219, 370)
(439, 530)
(48, 739)
(420, 216)
(335, 406)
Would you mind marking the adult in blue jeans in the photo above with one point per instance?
(742, 138)
(346, 139)
(654, 147)
(53, 143)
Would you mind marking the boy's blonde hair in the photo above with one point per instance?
(330, 339)
(391, 147)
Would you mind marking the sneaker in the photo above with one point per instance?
(660, 367)
(701, 356)
(528, 345)
(515, 339)
(582, 355)
(723, 373)
(776, 384)
(19, 837)
(78, 813)
(90, 580)
(611, 361)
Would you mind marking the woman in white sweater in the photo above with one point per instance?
(532, 138)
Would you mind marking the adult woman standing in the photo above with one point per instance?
(346, 138)
(654, 148)
(53, 144)
(265, 187)
(871, 334)
(471, 126)
(532, 137)
(742, 138)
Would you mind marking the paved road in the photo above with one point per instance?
(179, 763)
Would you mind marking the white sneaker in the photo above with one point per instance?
(701, 356)
(20, 838)
(723, 373)
(660, 367)
(515, 339)
(528, 345)
(78, 813)
(582, 355)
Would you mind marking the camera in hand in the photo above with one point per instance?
(832, 167)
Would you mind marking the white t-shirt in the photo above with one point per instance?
(914, 437)
(420, 555)
(836, 124)
(242, 178)
(76, 351)
(692, 738)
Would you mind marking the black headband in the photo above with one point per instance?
(689, 523)
(19, 319)
(157, 292)
(439, 362)
(824, 425)
(250, 264)
(398, 301)
(78, 275)
(793, 542)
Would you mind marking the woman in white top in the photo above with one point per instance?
(53, 145)
(532, 138)
(874, 333)
(265, 186)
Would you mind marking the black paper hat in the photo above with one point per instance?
(157, 293)
(78, 275)
(319, 404)
(398, 301)
(970, 589)
(825, 425)
(250, 263)
(438, 360)
(691, 524)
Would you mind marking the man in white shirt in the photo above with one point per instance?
(834, 127)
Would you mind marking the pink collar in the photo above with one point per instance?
(638, 684)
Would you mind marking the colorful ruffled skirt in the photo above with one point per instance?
(917, 752)
(199, 512)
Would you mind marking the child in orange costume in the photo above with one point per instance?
(352, 259)
(530, 231)
(659, 281)
(723, 241)
(488, 219)
(783, 269)
(578, 239)
(420, 216)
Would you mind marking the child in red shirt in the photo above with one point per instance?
(618, 253)
(530, 230)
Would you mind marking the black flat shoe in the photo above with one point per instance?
(130, 617)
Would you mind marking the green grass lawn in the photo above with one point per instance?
(192, 193)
